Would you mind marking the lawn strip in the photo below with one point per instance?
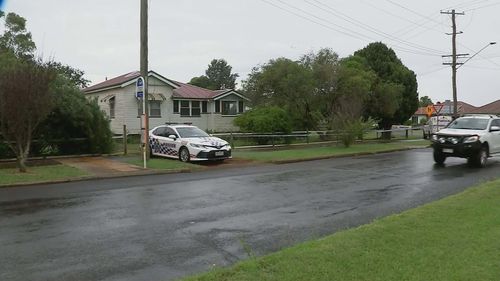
(324, 151)
(39, 174)
(452, 239)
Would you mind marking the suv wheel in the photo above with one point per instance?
(481, 158)
(184, 155)
(439, 157)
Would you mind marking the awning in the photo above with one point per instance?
(107, 98)
(159, 97)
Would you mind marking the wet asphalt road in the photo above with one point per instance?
(169, 226)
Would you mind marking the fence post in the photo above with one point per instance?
(307, 136)
(125, 139)
(407, 133)
(272, 139)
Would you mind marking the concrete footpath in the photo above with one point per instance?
(100, 166)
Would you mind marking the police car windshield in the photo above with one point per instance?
(469, 124)
(191, 132)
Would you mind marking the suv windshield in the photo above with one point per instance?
(469, 124)
(191, 132)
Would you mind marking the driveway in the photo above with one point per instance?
(164, 227)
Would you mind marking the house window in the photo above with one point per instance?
(176, 106)
(112, 108)
(189, 108)
(185, 108)
(154, 108)
(240, 107)
(217, 106)
(195, 108)
(229, 107)
(204, 107)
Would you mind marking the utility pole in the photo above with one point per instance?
(144, 73)
(454, 57)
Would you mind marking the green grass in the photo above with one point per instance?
(324, 151)
(39, 174)
(456, 238)
(163, 164)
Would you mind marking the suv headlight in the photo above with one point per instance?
(471, 139)
(434, 138)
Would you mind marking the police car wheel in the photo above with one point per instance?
(184, 155)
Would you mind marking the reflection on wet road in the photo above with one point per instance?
(164, 227)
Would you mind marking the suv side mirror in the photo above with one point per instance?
(174, 137)
(494, 129)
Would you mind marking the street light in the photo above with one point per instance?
(489, 44)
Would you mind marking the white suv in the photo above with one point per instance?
(473, 137)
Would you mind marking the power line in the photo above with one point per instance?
(412, 11)
(358, 35)
(367, 27)
(482, 7)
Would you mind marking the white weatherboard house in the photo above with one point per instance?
(169, 102)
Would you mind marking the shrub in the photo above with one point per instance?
(264, 120)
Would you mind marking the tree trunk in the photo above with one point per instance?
(22, 156)
(21, 163)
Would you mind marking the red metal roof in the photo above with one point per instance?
(193, 92)
(182, 90)
(490, 108)
(113, 82)
(447, 108)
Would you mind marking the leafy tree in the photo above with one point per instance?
(16, 38)
(394, 96)
(203, 82)
(26, 98)
(286, 84)
(217, 76)
(325, 67)
(44, 95)
(425, 101)
(73, 75)
(74, 116)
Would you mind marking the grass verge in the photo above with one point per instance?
(39, 174)
(452, 239)
(324, 151)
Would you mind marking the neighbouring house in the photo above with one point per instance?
(490, 108)
(169, 102)
(443, 108)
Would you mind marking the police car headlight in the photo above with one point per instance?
(434, 137)
(471, 139)
(196, 145)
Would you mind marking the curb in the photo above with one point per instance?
(344, 155)
(112, 176)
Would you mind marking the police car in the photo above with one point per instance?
(187, 143)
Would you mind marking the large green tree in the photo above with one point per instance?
(287, 84)
(43, 95)
(325, 68)
(217, 76)
(16, 38)
(425, 101)
(393, 96)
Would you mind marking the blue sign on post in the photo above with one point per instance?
(139, 88)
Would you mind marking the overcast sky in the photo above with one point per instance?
(101, 37)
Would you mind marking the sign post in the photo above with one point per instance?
(139, 94)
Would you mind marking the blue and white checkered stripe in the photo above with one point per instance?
(162, 148)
